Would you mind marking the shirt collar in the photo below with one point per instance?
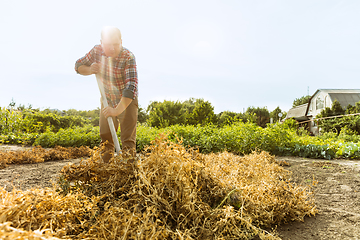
(117, 57)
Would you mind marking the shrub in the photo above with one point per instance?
(239, 138)
(29, 121)
(70, 137)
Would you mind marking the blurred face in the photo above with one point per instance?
(111, 45)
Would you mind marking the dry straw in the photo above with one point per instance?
(169, 193)
(39, 154)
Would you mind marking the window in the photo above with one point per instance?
(326, 102)
(319, 103)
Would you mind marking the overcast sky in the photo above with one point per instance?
(234, 54)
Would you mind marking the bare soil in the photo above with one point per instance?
(337, 197)
(337, 193)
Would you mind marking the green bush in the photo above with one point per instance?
(348, 124)
(308, 151)
(30, 121)
(92, 115)
(239, 138)
(42, 122)
(144, 135)
(228, 118)
(70, 137)
(10, 121)
(336, 125)
(19, 138)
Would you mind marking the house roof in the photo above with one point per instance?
(298, 112)
(338, 91)
(345, 98)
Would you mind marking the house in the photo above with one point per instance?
(298, 113)
(321, 99)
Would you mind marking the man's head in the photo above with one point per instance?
(111, 41)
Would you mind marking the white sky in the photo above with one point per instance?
(234, 54)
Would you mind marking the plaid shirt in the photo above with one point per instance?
(124, 81)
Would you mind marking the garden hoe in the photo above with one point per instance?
(105, 104)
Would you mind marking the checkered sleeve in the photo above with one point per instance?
(87, 60)
(131, 79)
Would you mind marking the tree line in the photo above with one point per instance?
(166, 113)
(201, 112)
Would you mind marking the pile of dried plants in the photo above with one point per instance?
(168, 193)
(39, 154)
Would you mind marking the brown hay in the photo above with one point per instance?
(170, 193)
(39, 154)
(7, 232)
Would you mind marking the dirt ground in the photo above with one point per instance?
(337, 193)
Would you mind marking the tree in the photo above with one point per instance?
(189, 105)
(12, 103)
(227, 118)
(166, 113)
(202, 113)
(275, 114)
(326, 112)
(142, 115)
(301, 100)
(192, 111)
(337, 109)
(350, 109)
(262, 115)
(92, 115)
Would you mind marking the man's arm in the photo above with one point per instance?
(89, 64)
(120, 108)
(123, 104)
(88, 70)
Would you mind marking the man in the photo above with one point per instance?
(121, 89)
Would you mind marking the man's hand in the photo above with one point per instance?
(88, 70)
(113, 112)
(109, 112)
(95, 68)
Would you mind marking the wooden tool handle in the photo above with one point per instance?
(109, 119)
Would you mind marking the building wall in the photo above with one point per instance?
(318, 103)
